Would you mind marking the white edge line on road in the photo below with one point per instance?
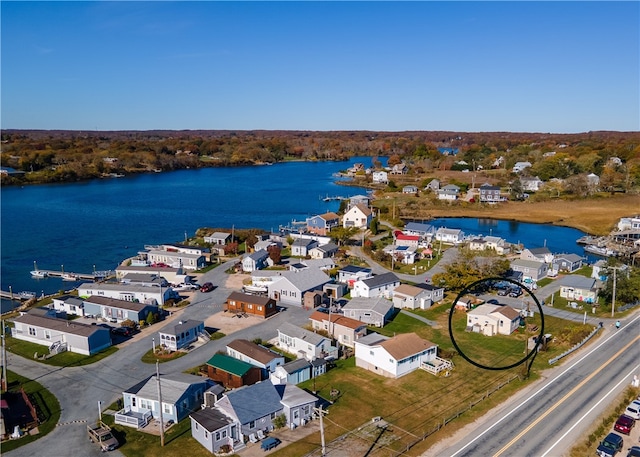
(590, 410)
(541, 389)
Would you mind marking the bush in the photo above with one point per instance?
(280, 421)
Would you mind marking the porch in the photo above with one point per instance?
(437, 365)
(133, 419)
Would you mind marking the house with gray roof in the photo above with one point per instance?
(293, 372)
(186, 260)
(255, 354)
(213, 430)
(181, 335)
(255, 407)
(581, 288)
(127, 292)
(448, 192)
(425, 231)
(541, 254)
(323, 251)
(69, 304)
(144, 279)
(372, 311)
(376, 286)
(567, 262)
(303, 343)
(530, 269)
(115, 310)
(255, 261)
(172, 275)
(181, 394)
(60, 334)
(412, 297)
(301, 246)
(349, 274)
(289, 287)
(450, 236)
(218, 238)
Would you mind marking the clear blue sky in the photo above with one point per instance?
(560, 67)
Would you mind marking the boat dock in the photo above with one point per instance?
(70, 276)
(16, 296)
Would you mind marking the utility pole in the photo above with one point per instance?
(4, 360)
(613, 296)
(160, 404)
(322, 413)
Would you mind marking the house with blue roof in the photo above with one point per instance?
(448, 151)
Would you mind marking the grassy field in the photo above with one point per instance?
(596, 216)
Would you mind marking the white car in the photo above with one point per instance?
(633, 410)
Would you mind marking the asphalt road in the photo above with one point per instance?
(79, 389)
(547, 420)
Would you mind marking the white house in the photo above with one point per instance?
(301, 246)
(411, 189)
(218, 238)
(519, 166)
(255, 261)
(530, 269)
(542, 254)
(376, 286)
(393, 357)
(358, 216)
(289, 287)
(581, 288)
(448, 192)
(450, 236)
(303, 343)
(349, 274)
(413, 297)
(380, 177)
(127, 292)
(493, 319)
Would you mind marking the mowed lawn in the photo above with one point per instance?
(418, 402)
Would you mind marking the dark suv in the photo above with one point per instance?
(206, 287)
(610, 446)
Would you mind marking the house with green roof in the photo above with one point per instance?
(231, 372)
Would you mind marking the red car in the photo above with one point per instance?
(624, 424)
(206, 287)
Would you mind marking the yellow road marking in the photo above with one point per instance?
(563, 399)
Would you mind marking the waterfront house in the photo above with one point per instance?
(323, 223)
(489, 193)
(499, 245)
(530, 269)
(181, 335)
(294, 372)
(232, 372)
(324, 251)
(181, 394)
(492, 320)
(412, 297)
(581, 288)
(144, 279)
(256, 305)
(218, 238)
(60, 334)
(303, 343)
(372, 311)
(433, 186)
(255, 354)
(448, 192)
(115, 310)
(263, 244)
(349, 274)
(542, 254)
(393, 357)
(399, 169)
(215, 431)
(567, 262)
(364, 200)
(358, 216)
(127, 292)
(411, 189)
(254, 261)
(449, 236)
(344, 330)
(377, 286)
(424, 231)
(177, 258)
(301, 246)
(380, 177)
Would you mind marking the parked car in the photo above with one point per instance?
(503, 292)
(124, 331)
(206, 287)
(610, 445)
(634, 451)
(633, 410)
(515, 293)
(493, 301)
(624, 424)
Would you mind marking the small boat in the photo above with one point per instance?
(598, 250)
(38, 273)
(70, 277)
(27, 295)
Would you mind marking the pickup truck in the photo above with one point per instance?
(101, 434)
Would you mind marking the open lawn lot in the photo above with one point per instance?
(416, 405)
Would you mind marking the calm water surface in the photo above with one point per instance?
(79, 226)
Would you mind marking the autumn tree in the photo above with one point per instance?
(275, 253)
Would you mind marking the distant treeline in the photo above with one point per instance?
(64, 156)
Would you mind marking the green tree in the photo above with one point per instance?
(280, 421)
(341, 235)
(373, 226)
